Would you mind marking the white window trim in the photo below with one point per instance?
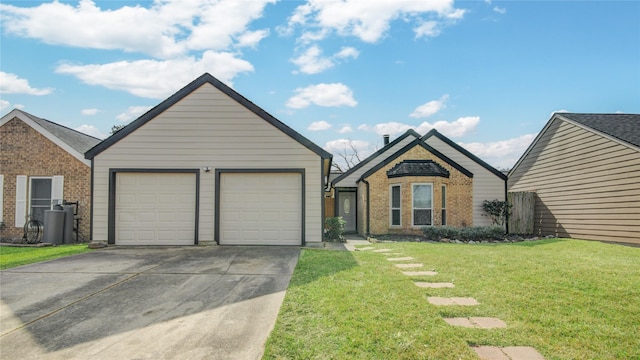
(2, 198)
(57, 186)
(413, 222)
(391, 208)
(444, 194)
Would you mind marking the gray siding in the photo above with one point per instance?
(207, 128)
(486, 185)
(587, 185)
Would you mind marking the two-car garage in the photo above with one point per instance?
(207, 166)
(253, 207)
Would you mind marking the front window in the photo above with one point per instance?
(422, 204)
(395, 205)
(40, 197)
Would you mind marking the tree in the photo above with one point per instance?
(350, 156)
(116, 128)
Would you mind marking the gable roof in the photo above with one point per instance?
(416, 142)
(191, 87)
(371, 157)
(465, 152)
(72, 141)
(622, 128)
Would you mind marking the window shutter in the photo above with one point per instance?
(57, 188)
(21, 200)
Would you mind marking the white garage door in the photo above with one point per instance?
(260, 209)
(155, 208)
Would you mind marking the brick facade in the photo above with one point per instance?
(24, 151)
(459, 196)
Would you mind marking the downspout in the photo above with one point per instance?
(506, 198)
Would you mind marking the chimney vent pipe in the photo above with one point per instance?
(386, 139)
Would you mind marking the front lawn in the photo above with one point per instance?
(15, 256)
(569, 299)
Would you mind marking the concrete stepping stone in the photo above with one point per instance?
(408, 266)
(420, 273)
(382, 250)
(463, 301)
(391, 254)
(406, 258)
(433, 285)
(365, 248)
(477, 322)
(507, 353)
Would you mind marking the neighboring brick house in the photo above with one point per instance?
(414, 182)
(41, 161)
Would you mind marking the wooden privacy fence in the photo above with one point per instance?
(329, 207)
(522, 212)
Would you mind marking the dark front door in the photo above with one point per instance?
(347, 210)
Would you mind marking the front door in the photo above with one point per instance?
(347, 210)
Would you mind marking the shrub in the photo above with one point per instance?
(334, 229)
(497, 210)
(476, 233)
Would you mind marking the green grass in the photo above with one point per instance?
(569, 299)
(15, 256)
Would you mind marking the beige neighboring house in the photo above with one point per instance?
(41, 161)
(416, 181)
(585, 171)
(207, 165)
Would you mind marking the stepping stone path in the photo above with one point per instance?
(483, 352)
(433, 285)
(408, 266)
(420, 273)
(507, 353)
(400, 258)
(463, 301)
(477, 322)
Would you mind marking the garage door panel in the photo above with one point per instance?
(260, 208)
(155, 208)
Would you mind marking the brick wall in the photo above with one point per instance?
(459, 196)
(24, 151)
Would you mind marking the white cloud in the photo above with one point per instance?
(500, 10)
(391, 128)
(157, 79)
(429, 108)
(4, 104)
(367, 20)
(12, 84)
(345, 129)
(427, 29)
(164, 29)
(89, 112)
(91, 130)
(501, 154)
(319, 126)
(312, 61)
(458, 128)
(327, 95)
(132, 112)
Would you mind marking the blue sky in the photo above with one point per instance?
(487, 74)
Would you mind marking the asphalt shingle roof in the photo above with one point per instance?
(625, 127)
(78, 141)
(417, 168)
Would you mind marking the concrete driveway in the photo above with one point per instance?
(145, 303)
